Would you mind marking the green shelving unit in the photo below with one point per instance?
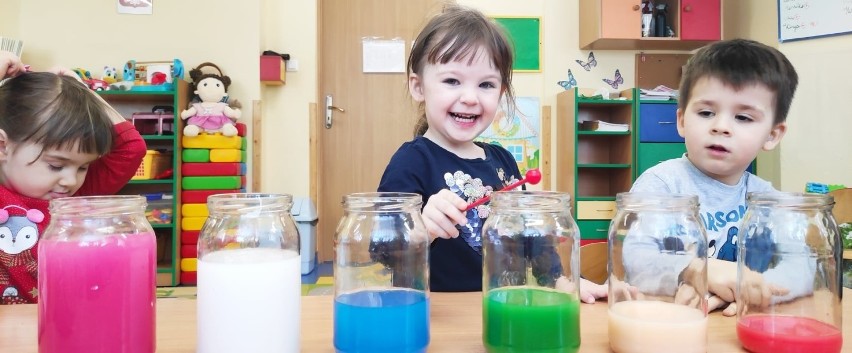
(168, 234)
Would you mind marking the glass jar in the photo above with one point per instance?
(249, 275)
(381, 274)
(530, 273)
(788, 280)
(657, 274)
(97, 277)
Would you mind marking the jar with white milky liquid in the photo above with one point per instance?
(657, 274)
(249, 275)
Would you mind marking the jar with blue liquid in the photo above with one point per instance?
(381, 275)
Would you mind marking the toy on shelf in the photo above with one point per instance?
(110, 75)
(819, 188)
(210, 112)
(149, 75)
(93, 83)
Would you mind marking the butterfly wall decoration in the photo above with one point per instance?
(570, 83)
(615, 81)
(590, 63)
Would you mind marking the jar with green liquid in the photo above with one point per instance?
(531, 274)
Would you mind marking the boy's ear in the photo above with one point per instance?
(680, 122)
(415, 87)
(775, 136)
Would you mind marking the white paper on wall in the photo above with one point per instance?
(383, 55)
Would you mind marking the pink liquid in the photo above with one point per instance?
(781, 334)
(97, 296)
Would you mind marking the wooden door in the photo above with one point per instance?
(377, 114)
(701, 20)
(621, 19)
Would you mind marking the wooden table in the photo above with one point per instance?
(456, 325)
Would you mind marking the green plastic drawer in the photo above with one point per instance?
(650, 154)
(593, 229)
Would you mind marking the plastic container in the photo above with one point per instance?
(530, 274)
(154, 163)
(249, 285)
(381, 275)
(657, 274)
(788, 274)
(305, 213)
(97, 277)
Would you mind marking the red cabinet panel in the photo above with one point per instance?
(701, 20)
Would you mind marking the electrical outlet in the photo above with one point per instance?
(292, 64)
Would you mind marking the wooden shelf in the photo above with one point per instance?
(847, 254)
(673, 43)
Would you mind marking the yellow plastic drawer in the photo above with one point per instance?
(595, 209)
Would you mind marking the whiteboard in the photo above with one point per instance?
(802, 19)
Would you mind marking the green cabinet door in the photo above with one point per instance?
(649, 154)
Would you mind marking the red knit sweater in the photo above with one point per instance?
(26, 218)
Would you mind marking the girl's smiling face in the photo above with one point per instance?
(460, 97)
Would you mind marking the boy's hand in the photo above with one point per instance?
(441, 214)
(10, 65)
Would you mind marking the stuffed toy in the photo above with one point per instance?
(210, 111)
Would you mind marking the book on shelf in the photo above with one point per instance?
(13, 46)
(659, 93)
(597, 125)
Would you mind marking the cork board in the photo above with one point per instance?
(653, 70)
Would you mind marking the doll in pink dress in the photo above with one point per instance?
(212, 113)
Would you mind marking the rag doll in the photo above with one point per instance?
(210, 112)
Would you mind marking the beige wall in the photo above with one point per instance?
(232, 34)
(818, 143)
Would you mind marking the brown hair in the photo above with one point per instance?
(742, 62)
(55, 111)
(455, 34)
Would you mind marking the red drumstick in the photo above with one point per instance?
(533, 176)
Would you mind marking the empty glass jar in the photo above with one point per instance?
(530, 273)
(788, 279)
(657, 274)
(381, 275)
(97, 270)
(249, 275)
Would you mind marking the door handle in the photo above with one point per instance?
(329, 109)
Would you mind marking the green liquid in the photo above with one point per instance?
(523, 319)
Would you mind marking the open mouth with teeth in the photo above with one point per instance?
(464, 118)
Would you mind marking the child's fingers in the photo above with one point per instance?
(731, 310)
(714, 302)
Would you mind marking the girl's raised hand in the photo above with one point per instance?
(441, 214)
(10, 65)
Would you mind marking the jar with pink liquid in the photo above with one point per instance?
(249, 275)
(657, 274)
(788, 279)
(97, 277)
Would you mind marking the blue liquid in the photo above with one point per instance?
(392, 321)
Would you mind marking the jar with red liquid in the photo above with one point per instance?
(530, 254)
(657, 274)
(97, 277)
(788, 276)
(381, 275)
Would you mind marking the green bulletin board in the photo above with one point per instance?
(525, 34)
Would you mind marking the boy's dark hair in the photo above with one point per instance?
(455, 34)
(55, 111)
(739, 63)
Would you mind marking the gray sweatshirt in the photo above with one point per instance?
(721, 208)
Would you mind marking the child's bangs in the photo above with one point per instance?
(465, 45)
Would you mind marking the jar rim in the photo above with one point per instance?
(655, 200)
(246, 202)
(531, 200)
(788, 199)
(381, 201)
(110, 204)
